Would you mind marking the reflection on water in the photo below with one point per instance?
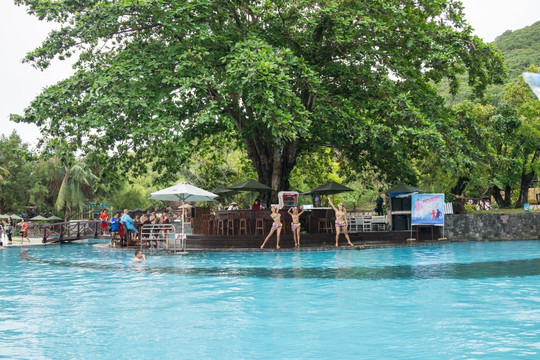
(477, 270)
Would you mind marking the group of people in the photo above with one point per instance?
(341, 224)
(256, 205)
(125, 227)
(8, 226)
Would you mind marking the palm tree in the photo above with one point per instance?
(70, 195)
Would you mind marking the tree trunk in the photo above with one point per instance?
(272, 162)
(457, 190)
(504, 201)
(526, 179)
(274, 166)
(496, 193)
(460, 185)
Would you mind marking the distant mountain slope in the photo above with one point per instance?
(520, 49)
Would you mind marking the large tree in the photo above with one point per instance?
(154, 78)
(527, 143)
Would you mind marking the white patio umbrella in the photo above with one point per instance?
(183, 192)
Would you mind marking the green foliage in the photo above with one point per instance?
(494, 150)
(17, 164)
(526, 149)
(156, 78)
(314, 169)
(71, 193)
(470, 208)
(520, 49)
(46, 181)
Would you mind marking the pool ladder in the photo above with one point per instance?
(162, 237)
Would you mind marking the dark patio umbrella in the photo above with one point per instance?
(328, 189)
(402, 188)
(250, 185)
(221, 191)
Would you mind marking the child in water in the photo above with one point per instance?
(139, 256)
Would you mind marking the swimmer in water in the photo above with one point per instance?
(139, 257)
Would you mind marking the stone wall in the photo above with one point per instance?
(512, 226)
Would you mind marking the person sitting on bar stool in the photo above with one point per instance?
(233, 206)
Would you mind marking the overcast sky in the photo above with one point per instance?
(20, 33)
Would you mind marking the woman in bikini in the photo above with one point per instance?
(277, 225)
(341, 222)
(295, 224)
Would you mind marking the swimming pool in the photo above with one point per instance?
(451, 301)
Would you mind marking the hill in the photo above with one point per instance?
(520, 49)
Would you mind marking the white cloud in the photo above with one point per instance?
(490, 18)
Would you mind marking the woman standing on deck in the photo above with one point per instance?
(295, 225)
(341, 221)
(104, 217)
(8, 228)
(277, 225)
(24, 231)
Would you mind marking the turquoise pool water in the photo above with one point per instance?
(450, 301)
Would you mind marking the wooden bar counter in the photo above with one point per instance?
(254, 222)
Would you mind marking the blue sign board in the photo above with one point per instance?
(427, 209)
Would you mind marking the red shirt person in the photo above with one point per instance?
(104, 217)
(256, 205)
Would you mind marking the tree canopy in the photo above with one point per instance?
(156, 79)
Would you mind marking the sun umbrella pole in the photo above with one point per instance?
(182, 236)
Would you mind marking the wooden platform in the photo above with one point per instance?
(287, 241)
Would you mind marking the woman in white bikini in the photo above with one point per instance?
(341, 222)
(295, 224)
(277, 225)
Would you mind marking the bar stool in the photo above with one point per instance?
(230, 224)
(219, 225)
(324, 224)
(259, 223)
(243, 224)
(259, 226)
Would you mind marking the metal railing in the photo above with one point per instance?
(71, 230)
(161, 237)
